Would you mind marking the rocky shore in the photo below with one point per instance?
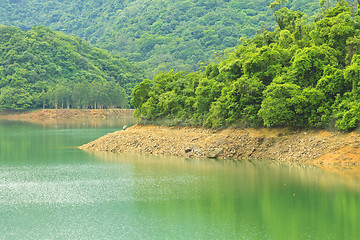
(285, 145)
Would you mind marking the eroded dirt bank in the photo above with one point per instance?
(317, 147)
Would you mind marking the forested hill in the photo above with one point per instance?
(43, 68)
(160, 34)
(302, 74)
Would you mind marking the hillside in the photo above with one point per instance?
(301, 75)
(159, 34)
(43, 68)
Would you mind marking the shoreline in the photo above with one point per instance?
(316, 147)
(329, 150)
(56, 115)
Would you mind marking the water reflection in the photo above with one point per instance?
(306, 174)
(249, 200)
(50, 190)
(24, 142)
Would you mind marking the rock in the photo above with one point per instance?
(188, 149)
(214, 153)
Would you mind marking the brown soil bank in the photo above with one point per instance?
(61, 114)
(318, 147)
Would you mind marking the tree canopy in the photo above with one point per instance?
(159, 34)
(43, 68)
(301, 74)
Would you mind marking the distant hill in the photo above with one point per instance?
(159, 34)
(44, 68)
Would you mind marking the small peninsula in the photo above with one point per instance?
(262, 99)
(317, 147)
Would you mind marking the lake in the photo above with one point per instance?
(49, 189)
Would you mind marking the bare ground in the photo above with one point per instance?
(50, 115)
(322, 148)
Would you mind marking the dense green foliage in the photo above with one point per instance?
(43, 68)
(160, 34)
(302, 74)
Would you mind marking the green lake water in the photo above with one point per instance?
(49, 189)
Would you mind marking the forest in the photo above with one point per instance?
(159, 35)
(302, 74)
(41, 68)
(291, 67)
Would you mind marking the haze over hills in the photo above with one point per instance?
(159, 34)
